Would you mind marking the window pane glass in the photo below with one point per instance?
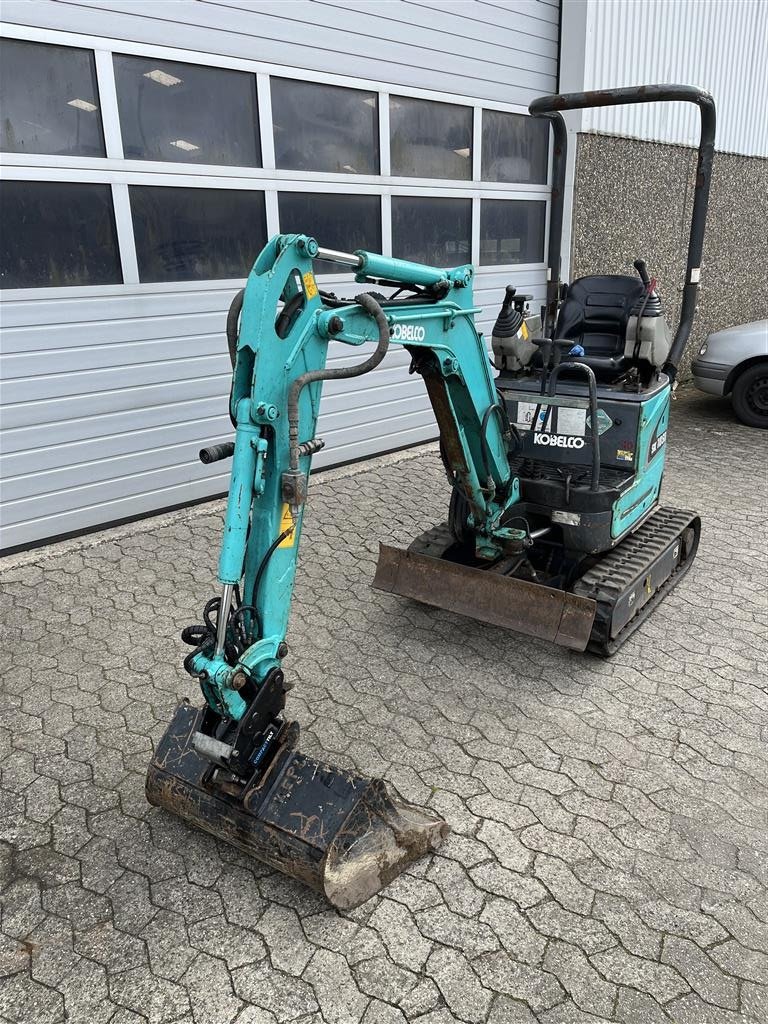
(57, 234)
(50, 100)
(342, 222)
(437, 232)
(187, 113)
(515, 148)
(196, 234)
(324, 128)
(430, 140)
(511, 231)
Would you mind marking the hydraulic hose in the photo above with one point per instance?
(233, 321)
(284, 321)
(372, 307)
(233, 332)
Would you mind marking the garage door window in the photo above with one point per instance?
(196, 234)
(341, 222)
(324, 128)
(430, 140)
(511, 231)
(186, 113)
(56, 234)
(50, 100)
(515, 148)
(433, 231)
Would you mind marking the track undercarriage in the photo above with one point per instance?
(595, 608)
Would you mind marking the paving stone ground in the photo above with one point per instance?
(609, 855)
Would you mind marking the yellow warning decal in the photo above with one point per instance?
(286, 522)
(310, 285)
(524, 332)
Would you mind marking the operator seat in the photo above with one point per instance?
(595, 314)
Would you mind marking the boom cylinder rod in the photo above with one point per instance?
(349, 259)
(221, 625)
(373, 265)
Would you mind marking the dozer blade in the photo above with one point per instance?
(482, 594)
(342, 834)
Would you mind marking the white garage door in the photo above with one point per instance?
(147, 159)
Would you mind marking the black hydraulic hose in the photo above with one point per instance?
(246, 637)
(233, 324)
(287, 314)
(265, 561)
(281, 328)
(371, 306)
(420, 297)
(233, 332)
(594, 484)
(640, 315)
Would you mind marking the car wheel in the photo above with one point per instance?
(750, 395)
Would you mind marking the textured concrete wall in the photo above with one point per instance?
(633, 198)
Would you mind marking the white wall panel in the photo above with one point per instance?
(97, 432)
(719, 45)
(108, 393)
(393, 42)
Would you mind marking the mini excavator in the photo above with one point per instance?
(554, 526)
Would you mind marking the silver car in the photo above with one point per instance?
(735, 362)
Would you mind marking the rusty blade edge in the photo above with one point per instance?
(518, 605)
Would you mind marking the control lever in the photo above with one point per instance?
(216, 452)
(642, 269)
(551, 354)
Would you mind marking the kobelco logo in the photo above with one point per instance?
(408, 332)
(558, 440)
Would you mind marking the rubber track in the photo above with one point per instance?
(617, 571)
(620, 569)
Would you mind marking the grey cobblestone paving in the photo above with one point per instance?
(609, 859)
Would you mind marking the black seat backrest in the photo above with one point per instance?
(595, 313)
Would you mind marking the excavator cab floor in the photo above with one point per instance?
(342, 834)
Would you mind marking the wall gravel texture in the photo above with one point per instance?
(634, 198)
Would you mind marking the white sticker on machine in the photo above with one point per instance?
(561, 420)
(566, 518)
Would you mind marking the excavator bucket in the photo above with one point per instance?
(342, 834)
(489, 596)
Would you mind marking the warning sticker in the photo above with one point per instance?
(561, 420)
(286, 522)
(310, 285)
(624, 455)
(524, 332)
(604, 421)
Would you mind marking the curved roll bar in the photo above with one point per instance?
(550, 107)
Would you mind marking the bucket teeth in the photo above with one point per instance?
(342, 834)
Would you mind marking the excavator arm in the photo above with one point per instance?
(285, 329)
(233, 766)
